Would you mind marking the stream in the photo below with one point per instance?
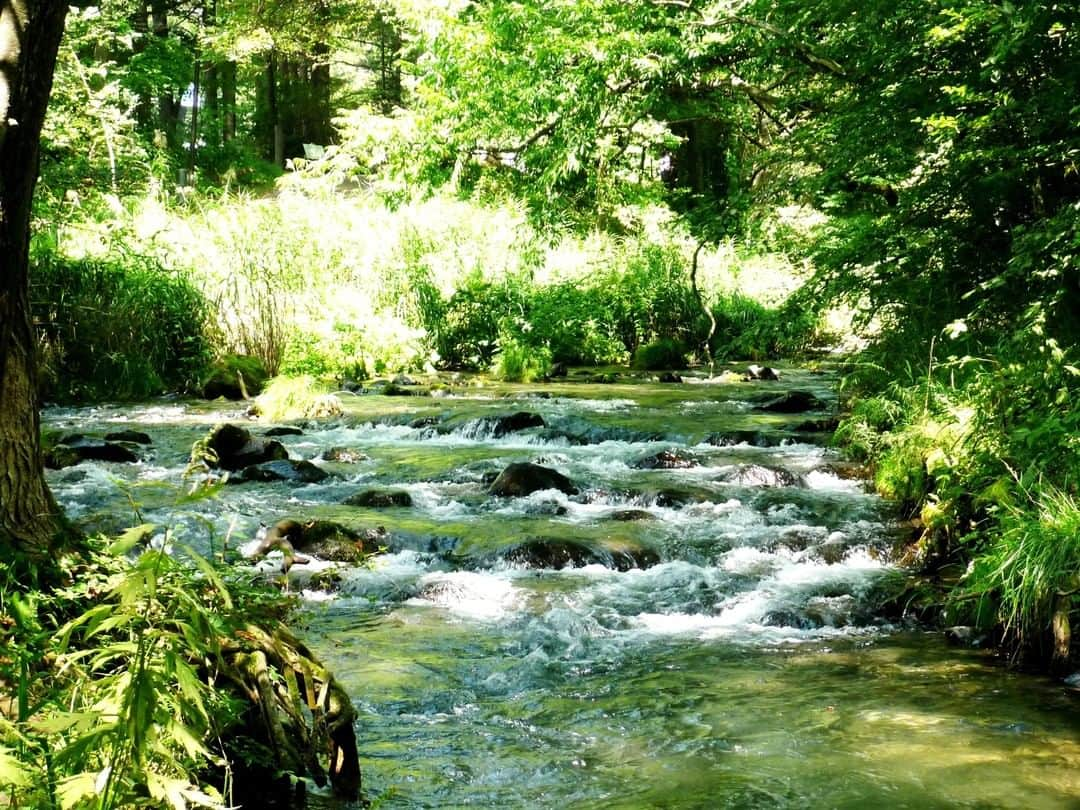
(719, 644)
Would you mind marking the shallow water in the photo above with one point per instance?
(749, 667)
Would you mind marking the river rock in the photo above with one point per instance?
(631, 515)
(236, 448)
(791, 402)
(826, 425)
(502, 425)
(332, 541)
(283, 430)
(754, 438)
(344, 455)
(521, 478)
(756, 372)
(403, 379)
(291, 470)
(559, 553)
(379, 498)
(666, 460)
(670, 377)
(758, 475)
(76, 449)
(133, 436)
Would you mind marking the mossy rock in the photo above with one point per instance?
(223, 378)
(660, 355)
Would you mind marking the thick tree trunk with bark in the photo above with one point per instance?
(30, 521)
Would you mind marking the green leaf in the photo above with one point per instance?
(131, 538)
(12, 771)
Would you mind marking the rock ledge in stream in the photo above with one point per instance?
(76, 449)
(559, 553)
(791, 402)
(666, 460)
(758, 475)
(291, 470)
(379, 498)
(133, 436)
(522, 478)
(236, 448)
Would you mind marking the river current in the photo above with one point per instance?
(743, 661)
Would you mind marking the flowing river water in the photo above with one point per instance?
(720, 644)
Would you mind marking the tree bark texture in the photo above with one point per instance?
(30, 32)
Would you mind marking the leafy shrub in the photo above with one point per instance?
(121, 328)
(660, 355)
(517, 362)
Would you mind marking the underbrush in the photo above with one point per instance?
(338, 286)
(984, 454)
(116, 328)
(139, 685)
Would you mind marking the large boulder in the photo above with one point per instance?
(235, 377)
(379, 498)
(75, 449)
(522, 478)
(236, 448)
(287, 469)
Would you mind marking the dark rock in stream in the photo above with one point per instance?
(791, 402)
(76, 449)
(670, 377)
(827, 425)
(236, 448)
(754, 438)
(758, 475)
(132, 436)
(379, 498)
(558, 553)
(498, 426)
(283, 430)
(756, 372)
(666, 460)
(291, 470)
(631, 515)
(522, 478)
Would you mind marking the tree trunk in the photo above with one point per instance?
(277, 134)
(168, 103)
(30, 520)
(140, 23)
(228, 101)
